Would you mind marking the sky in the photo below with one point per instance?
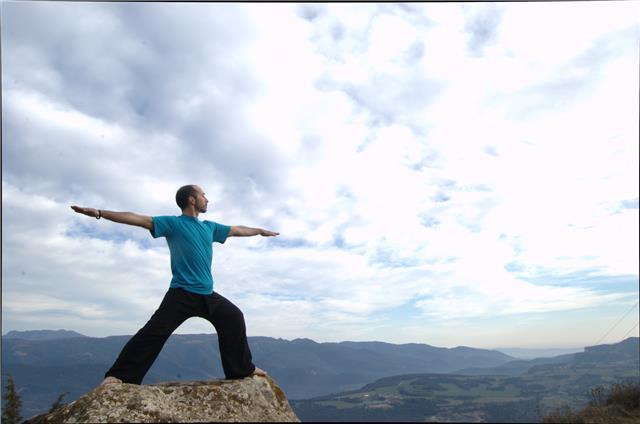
(441, 173)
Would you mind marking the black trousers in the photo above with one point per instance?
(178, 305)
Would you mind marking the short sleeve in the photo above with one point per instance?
(162, 226)
(220, 232)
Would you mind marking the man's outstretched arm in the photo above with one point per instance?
(129, 218)
(242, 231)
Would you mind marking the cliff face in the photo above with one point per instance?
(250, 399)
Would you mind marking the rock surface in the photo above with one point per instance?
(250, 399)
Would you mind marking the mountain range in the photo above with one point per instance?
(514, 392)
(45, 364)
(42, 335)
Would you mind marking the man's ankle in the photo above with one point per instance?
(110, 380)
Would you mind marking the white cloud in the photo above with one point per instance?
(423, 163)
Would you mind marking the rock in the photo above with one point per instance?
(250, 399)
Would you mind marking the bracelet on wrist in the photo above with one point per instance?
(99, 214)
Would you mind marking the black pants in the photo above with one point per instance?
(178, 305)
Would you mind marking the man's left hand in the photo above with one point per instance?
(267, 233)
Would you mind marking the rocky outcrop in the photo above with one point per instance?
(250, 399)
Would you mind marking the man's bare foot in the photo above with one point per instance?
(260, 372)
(110, 380)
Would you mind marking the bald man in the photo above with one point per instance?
(190, 293)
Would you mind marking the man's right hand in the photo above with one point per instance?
(86, 211)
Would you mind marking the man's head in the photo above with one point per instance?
(191, 195)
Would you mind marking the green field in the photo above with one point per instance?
(496, 398)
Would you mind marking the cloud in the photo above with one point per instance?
(426, 165)
(482, 26)
(629, 203)
(173, 105)
(311, 12)
(381, 74)
(53, 278)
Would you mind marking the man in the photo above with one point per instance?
(191, 291)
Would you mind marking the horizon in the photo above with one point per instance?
(438, 172)
(524, 348)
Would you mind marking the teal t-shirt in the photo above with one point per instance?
(191, 246)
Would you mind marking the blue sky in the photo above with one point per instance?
(450, 174)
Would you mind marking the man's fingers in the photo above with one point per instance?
(84, 211)
(266, 233)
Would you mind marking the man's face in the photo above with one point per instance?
(201, 200)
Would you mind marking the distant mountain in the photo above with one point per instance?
(517, 367)
(42, 335)
(43, 369)
(475, 398)
(522, 353)
(624, 352)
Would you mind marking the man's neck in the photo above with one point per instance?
(190, 211)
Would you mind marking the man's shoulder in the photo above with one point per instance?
(216, 226)
(165, 218)
(163, 225)
(210, 222)
(211, 225)
(169, 221)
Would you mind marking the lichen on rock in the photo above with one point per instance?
(251, 399)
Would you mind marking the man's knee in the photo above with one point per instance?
(160, 325)
(228, 309)
(156, 329)
(230, 317)
(235, 313)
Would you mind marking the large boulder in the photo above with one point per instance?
(250, 399)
